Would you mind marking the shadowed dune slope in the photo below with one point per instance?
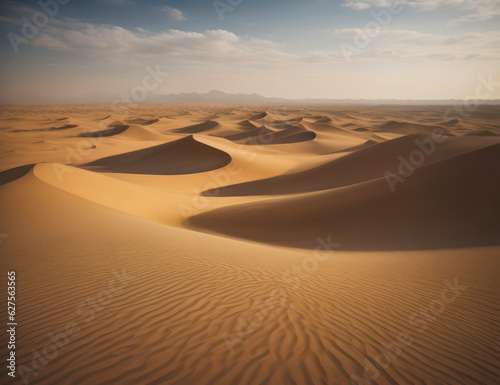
(123, 131)
(371, 161)
(183, 156)
(197, 128)
(11, 175)
(143, 122)
(114, 129)
(405, 127)
(481, 133)
(452, 203)
(284, 134)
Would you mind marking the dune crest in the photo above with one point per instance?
(182, 156)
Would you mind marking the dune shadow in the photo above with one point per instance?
(11, 175)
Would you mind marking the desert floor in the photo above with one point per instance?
(218, 244)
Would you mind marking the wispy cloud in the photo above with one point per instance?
(224, 46)
(116, 44)
(172, 13)
(405, 45)
(361, 5)
(477, 10)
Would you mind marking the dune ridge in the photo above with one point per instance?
(182, 156)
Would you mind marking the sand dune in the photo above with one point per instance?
(405, 127)
(64, 127)
(247, 123)
(182, 156)
(142, 121)
(424, 212)
(214, 215)
(115, 129)
(482, 133)
(197, 128)
(14, 173)
(281, 135)
(366, 162)
(125, 131)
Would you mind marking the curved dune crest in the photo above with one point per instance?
(182, 156)
(255, 132)
(324, 119)
(142, 122)
(260, 115)
(197, 128)
(125, 131)
(11, 175)
(481, 133)
(112, 193)
(250, 124)
(405, 127)
(446, 204)
(114, 129)
(370, 161)
(269, 134)
(64, 127)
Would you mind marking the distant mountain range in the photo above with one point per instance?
(216, 96)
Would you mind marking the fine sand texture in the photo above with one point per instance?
(204, 244)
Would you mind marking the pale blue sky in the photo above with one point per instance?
(94, 50)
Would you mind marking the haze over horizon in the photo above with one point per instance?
(96, 51)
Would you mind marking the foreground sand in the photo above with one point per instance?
(191, 244)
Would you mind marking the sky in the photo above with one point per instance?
(100, 51)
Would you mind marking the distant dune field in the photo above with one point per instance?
(222, 244)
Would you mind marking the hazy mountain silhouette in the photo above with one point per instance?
(215, 96)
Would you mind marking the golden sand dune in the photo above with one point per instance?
(182, 156)
(366, 162)
(216, 244)
(125, 131)
(405, 127)
(278, 134)
(197, 128)
(424, 211)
